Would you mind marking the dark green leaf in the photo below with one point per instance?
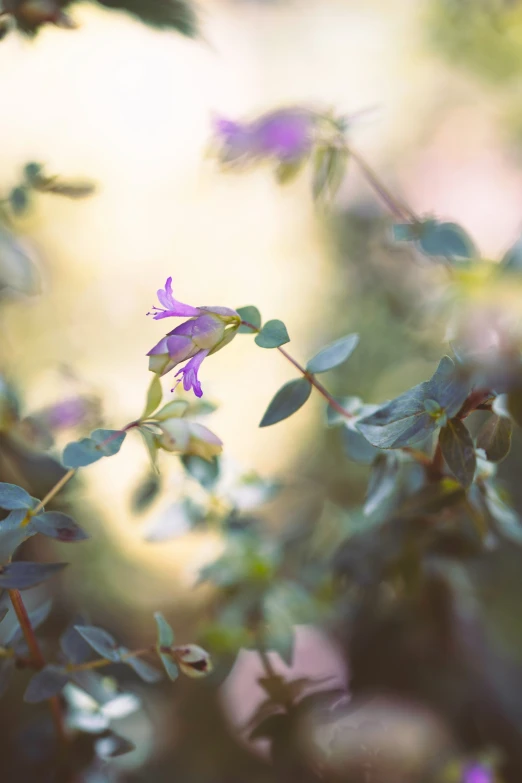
(13, 497)
(100, 641)
(59, 526)
(272, 335)
(22, 575)
(19, 200)
(445, 239)
(458, 451)
(146, 493)
(251, 315)
(176, 15)
(32, 172)
(334, 354)
(73, 645)
(405, 420)
(45, 684)
(287, 401)
(495, 438)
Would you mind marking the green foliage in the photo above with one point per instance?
(22, 575)
(272, 335)
(458, 451)
(329, 168)
(406, 421)
(251, 315)
(13, 497)
(436, 239)
(334, 354)
(495, 438)
(287, 401)
(101, 443)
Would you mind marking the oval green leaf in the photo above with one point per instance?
(287, 401)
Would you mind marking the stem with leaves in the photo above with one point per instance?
(309, 377)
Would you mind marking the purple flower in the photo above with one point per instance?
(207, 330)
(285, 134)
(477, 773)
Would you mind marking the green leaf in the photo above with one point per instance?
(272, 335)
(169, 665)
(165, 632)
(60, 526)
(164, 14)
(174, 409)
(329, 168)
(45, 684)
(458, 451)
(19, 200)
(445, 239)
(251, 315)
(146, 493)
(143, 669)
(151, 445)
(287, 170)
(13, 497)
(32, 172)
(100, 641)
(203, 470)
(109, 442)
(154, 396)
(334, 354)
(22, 575)
(495, 438)
(287, 401)
(102, 443)
(405, 420)
(355, 445)
(405, 232)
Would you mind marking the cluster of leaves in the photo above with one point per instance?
(29, 16)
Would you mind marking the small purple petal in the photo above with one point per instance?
(477, 773)
(286, 133)
(179, 348)
(189, 373)
(171, 306)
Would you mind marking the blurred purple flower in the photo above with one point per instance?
(286, 134)
(68, 413)
(207, 330)
(477, 773)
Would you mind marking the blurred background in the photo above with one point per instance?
(131, 109)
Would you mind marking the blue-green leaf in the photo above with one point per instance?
(494, 438)
(102, 443)
(458, 451)
(45, 684)
(32, 172)
(19, 199)
(334, 354)
(251, 315)
(22, 575)
(165, 632)
(169, 666)
(287, 401)
(272, 335)
(109, 442)
(405, 232)
(445, 239)
(13, 497)
(57, 525)
(512, 260)
(100, 641)
(144, 670)
(206, 471)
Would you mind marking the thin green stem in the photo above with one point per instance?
(309, 377)
(398, 209)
